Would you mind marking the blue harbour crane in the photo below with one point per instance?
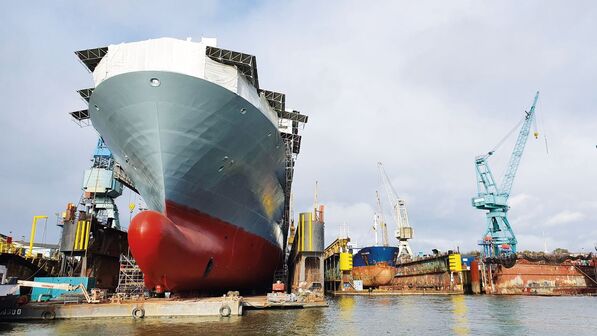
(499, 241)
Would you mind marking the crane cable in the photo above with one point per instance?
(542, 125)
(536, 133)
(501, 142)
(384, 225)
(385, 179)
(391, 193)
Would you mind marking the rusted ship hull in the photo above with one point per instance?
(542, 278)
(426, 275)
(375, 265)
(374, 275)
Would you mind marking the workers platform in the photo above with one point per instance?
(223, 306)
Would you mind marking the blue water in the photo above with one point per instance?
(405, 315)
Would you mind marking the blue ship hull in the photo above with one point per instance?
(372, 255)
(375, 265)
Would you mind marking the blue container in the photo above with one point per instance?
(466, 261)
(45, 294)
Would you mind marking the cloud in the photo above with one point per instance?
(565, 217)
(533, 242)
(519, 200)
(355, 219)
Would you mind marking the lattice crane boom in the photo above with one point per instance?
(518, 149)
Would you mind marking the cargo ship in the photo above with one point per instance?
(375, 265)
(210, 152)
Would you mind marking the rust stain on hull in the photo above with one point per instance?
(426, 275)
(540, 278)
(374, 275)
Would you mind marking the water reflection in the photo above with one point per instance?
(460, 315)
(347, 316)
(385, 301)
(308, 321)
(507, 312)
(346, 305)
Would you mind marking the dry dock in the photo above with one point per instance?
(139, 309)
(213, 306)
(542, 276)
(441, 274)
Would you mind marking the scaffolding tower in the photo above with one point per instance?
(130, 278)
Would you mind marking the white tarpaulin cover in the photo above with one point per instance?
(185, 57)
(164, 54)
(221, 74)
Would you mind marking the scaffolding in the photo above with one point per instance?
(245, 63)
(130, 278)
(288, 125)
(91, 57)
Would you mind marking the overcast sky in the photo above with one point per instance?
(423, 86)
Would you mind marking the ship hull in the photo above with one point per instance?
(210, 167)
(374, 275)
(375, 265)
(189, 250)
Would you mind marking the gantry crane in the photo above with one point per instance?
(404, 231)
(499, 240)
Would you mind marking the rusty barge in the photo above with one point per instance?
(542, 274)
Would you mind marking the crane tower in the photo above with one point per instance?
(499, 241)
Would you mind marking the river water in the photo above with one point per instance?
(402, 315)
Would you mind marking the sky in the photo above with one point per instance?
(421, 86)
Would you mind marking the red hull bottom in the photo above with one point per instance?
(188, 250)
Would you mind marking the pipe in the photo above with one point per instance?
(32, 237)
